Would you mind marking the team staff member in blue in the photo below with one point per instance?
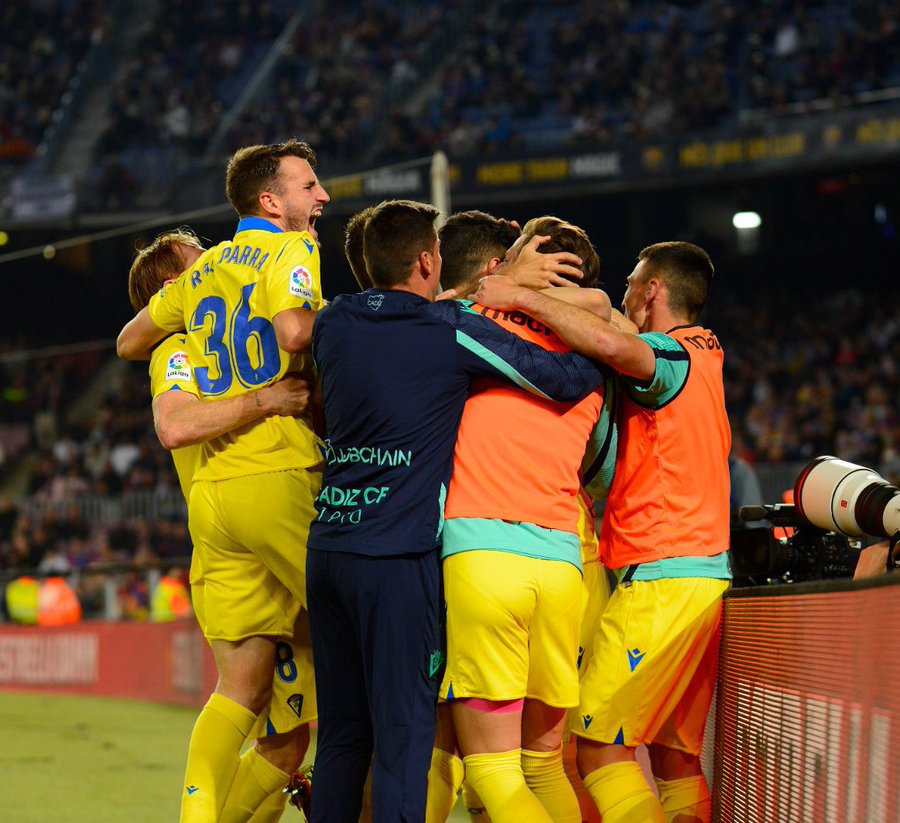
(395, 370)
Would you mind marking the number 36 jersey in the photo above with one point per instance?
(226, 303)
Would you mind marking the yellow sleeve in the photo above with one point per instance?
(294, 279)
(166, 307)
(170, 368)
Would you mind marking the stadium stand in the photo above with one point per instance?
(43, 43)
(394, 80)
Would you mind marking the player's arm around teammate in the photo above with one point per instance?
(183, 421)
(665, 531)
(241, 303)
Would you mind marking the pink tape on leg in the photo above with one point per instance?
(479, 704)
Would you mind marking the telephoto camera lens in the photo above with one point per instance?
(842, 497)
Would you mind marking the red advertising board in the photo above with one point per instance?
(166, 662)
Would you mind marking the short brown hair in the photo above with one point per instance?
(469, 239)
(396, 233)
(687, 272)
(566, 237)
(353, 246)
(254, 169)
(154, 264)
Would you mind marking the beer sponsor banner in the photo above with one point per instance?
(166, 662)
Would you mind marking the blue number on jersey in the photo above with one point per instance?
(260, 333)
(214, 307)
(285, 667)
(246, 331)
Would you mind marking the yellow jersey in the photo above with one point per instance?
(226, 303)
(170, 370)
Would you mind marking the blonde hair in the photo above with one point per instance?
(160, 261)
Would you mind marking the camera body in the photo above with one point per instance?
(784, 552)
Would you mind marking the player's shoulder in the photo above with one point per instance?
(170, 361)
(662, 341)
(447, 310)
(172, 343)
(296, 242)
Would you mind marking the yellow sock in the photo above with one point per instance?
(213, 757)
(589, 813)
(474, 805)
(255, 780)
(546, 777)
(622, 794)
(365, 813)
(498, 779)
(685, 800)
(271, 809)
(444, 779)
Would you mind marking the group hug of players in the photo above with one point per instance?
(400, 486)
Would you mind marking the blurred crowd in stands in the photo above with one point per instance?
(388, 80)
(575, 74)
(343, 66)
(42, 44)
(80, 464)
(821, 381)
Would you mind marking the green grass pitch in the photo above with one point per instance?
(96, 760)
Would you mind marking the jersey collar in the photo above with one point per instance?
(257, 224)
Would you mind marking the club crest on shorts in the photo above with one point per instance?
(179, 367)
(374, 302)
(301, 283)
(435, 662)
(295, 701)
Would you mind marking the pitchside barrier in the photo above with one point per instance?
(164, 662)
(805, 727)
(807, 723)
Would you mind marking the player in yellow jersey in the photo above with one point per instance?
(183, 421)
(247, 306)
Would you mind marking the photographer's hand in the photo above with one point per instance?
(872, 561)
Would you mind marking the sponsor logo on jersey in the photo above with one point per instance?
(192, 789)
(301, 283)
(374, 302)
(295, 701)
(635, 656)
(179, 367)
(587, 719)
(309, 246)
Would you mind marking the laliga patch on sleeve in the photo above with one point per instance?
(179, 368)
(300, 284)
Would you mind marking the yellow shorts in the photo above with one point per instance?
(595, 596)
(293, 700)
(249, 536)
(512, 628)
(653, 670)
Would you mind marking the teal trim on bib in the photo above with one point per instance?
(716, 567)
(466, 534)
